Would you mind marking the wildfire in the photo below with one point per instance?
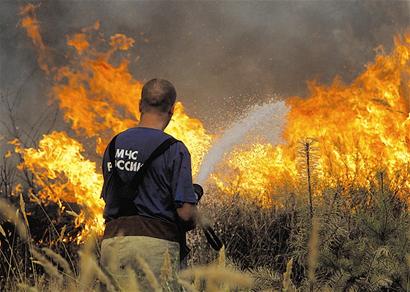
(360, 129)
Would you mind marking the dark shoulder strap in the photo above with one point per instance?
(157, 152)
(111, 151)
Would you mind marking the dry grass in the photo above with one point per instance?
(60, 277)
(287, 278)
(257, 243)
(313, 252)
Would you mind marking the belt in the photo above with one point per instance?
(138, 225)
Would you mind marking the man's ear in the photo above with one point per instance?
(139, 106)
(172, 109)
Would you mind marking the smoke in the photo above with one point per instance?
(222, 56)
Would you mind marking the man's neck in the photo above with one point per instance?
(153, 121)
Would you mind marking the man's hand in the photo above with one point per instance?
(187, 212)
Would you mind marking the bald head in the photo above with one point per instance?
(158, 95)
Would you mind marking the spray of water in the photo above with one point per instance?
(262, 120)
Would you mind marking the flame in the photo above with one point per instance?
(61, 172)
(357, 130)
(30, 24)
(193, 133)
(99, 99)
(261, 162)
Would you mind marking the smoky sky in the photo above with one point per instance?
(222, 56)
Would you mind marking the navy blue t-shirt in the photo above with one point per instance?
(167, 182)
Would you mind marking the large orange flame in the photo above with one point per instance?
(100, 99)
(61, 172)
(361, 130)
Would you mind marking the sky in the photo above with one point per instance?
(222, 56)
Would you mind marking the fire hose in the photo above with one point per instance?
(214, 241)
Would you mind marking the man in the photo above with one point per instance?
(150, 224)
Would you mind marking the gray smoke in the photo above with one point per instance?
(222, 56)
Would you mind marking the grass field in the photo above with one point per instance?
(357, 240)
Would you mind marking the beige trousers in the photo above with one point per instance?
(147, 262)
